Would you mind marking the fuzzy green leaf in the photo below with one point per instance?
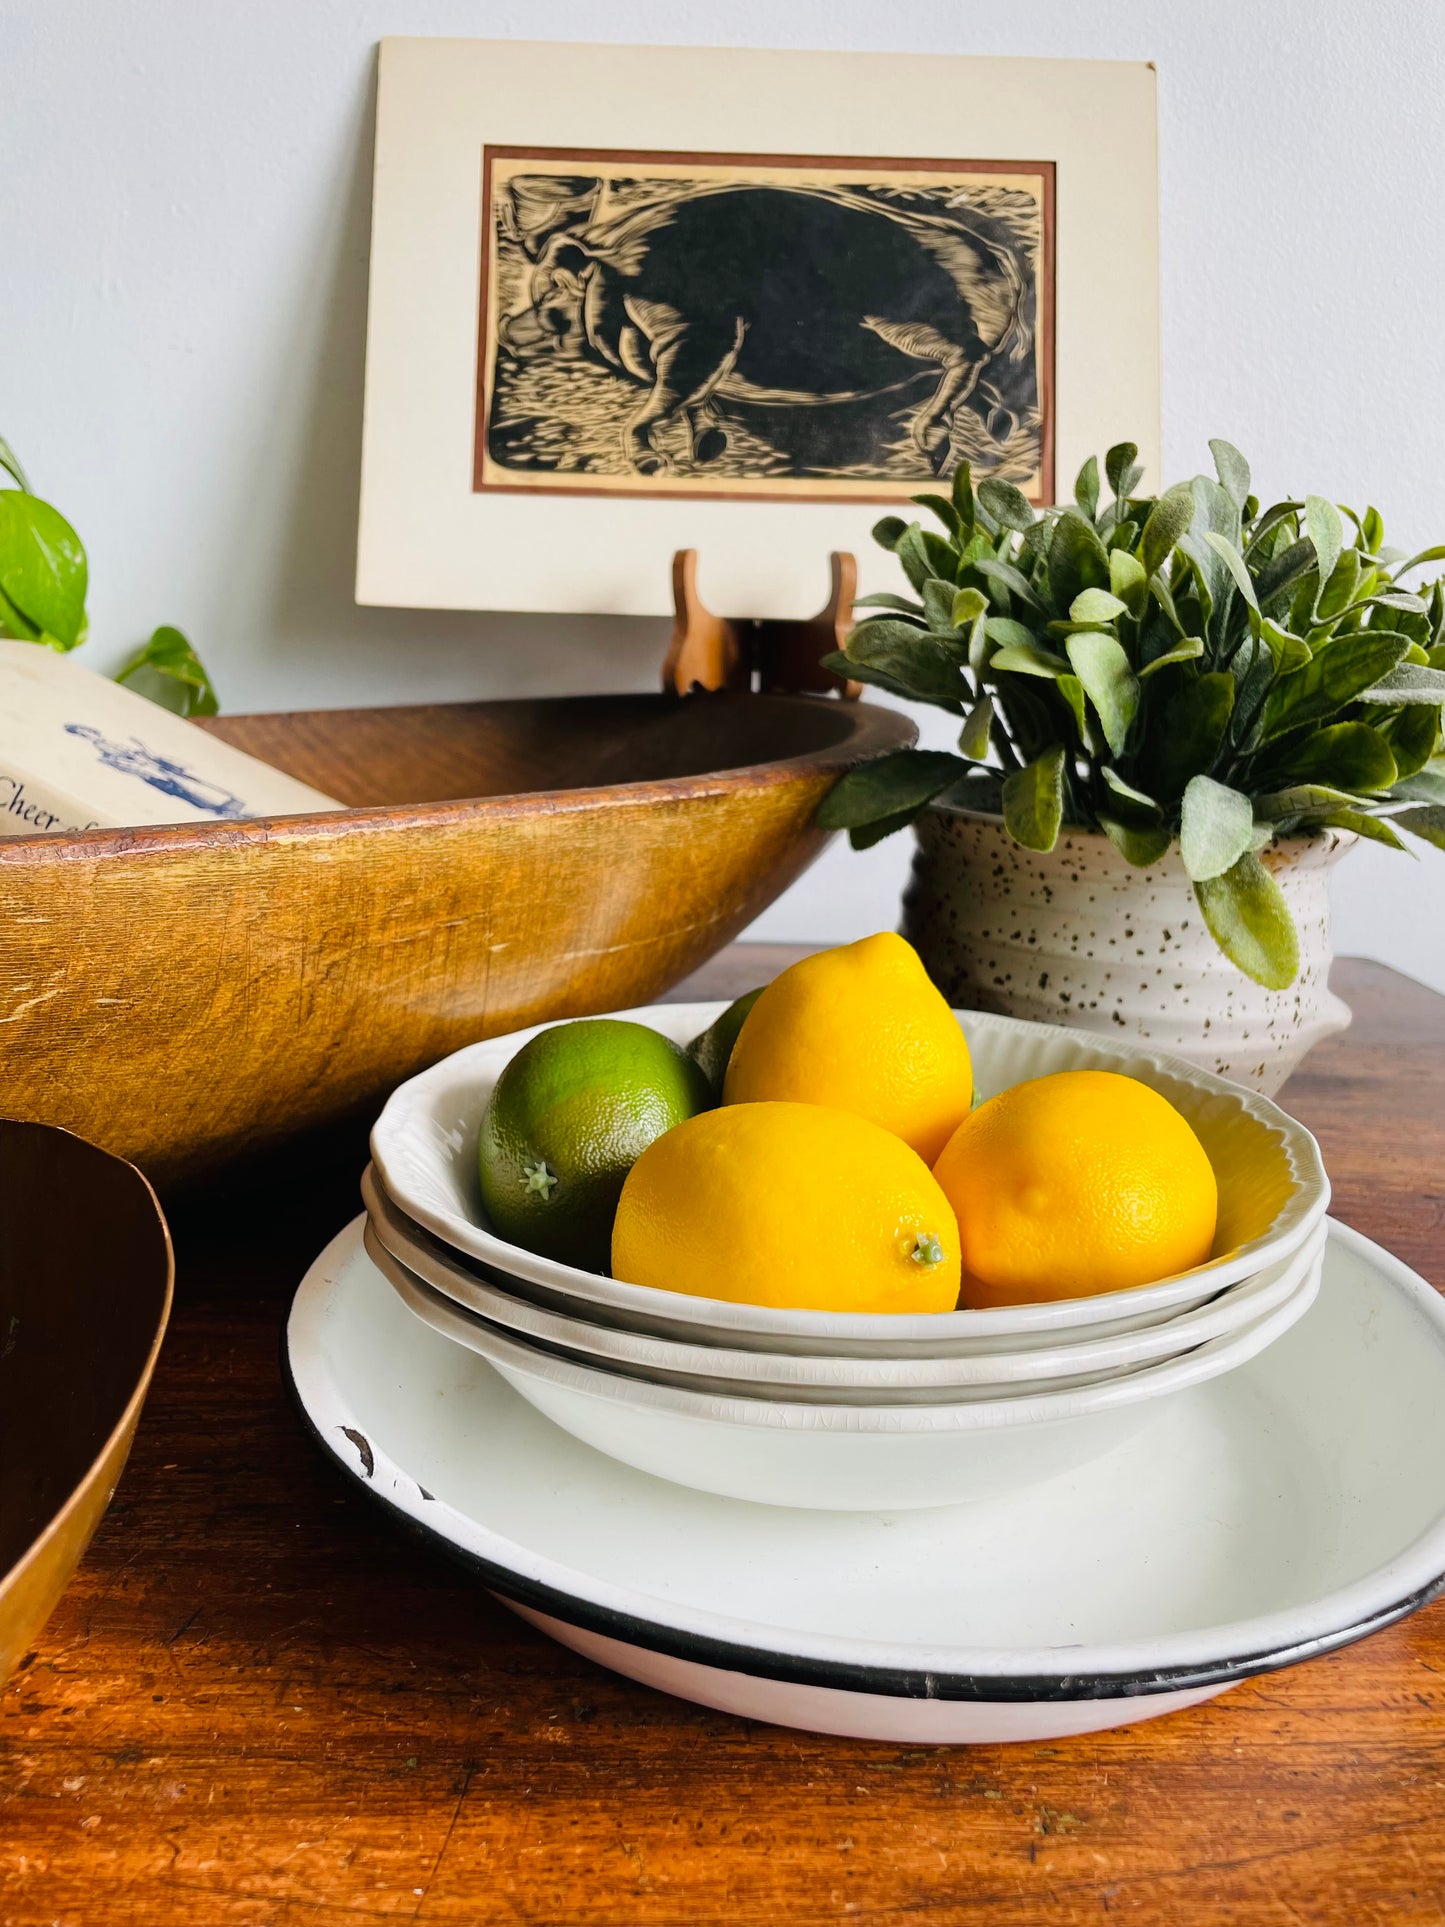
(1290, 652)
(1033, 800)
(1351, 756)
(1185, 736)
(961, 494)
(1086, 488)
(1376, 828)
(1078, 560)
(1249, 919)
(1406, 683)
(1186, 651)
(1127, 580)
(1341, 589)
(1168, 520)
(1126, 791)
(1072, 691)
(1215, 828)
(901, 782)
(1301, 799)
(917, 664)
(1140, 845)
(1234, 562)
(1427, 787)
(1008, 506)
(1322, 519)
(1232, 470)
(913, 554)
(882, 599)
(1096, 605)
(968, 606)
(1027, 659)
(938, 605)
(1427, 822)
(973, 738)
(887, 532)
(1102, 667)
(1337, 675)
(1010, 578)
(1414, 737)
(943, 509)
(1283, 570)
(1119, 467)
(1009, 634)
(867, 834)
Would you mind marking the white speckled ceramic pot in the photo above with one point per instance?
(1081, 937)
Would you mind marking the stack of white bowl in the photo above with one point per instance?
(858, 1412)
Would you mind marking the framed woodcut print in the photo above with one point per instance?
(584, 353)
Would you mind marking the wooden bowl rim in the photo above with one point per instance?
(130, 1413)
(872, 727)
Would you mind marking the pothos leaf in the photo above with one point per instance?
(168, 671)
(10, 462)
(42, 566)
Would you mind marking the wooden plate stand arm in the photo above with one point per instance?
(740, 653)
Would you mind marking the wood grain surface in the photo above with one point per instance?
(261, 1704)
(179, 995)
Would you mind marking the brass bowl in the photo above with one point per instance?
(85, 1292)
(184, 994)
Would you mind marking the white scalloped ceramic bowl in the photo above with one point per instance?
(1272, 1187)
(837, 1457)
(421, 1269)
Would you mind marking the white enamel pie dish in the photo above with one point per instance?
(420, 1267)
(1273, 1191)
(843, 1456)
(1276, 1512)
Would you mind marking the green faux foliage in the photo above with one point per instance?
(43, 582)
(1185, 668)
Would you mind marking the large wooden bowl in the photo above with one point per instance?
(85, 1290)
(179, 995)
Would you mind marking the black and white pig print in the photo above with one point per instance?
(736, 327)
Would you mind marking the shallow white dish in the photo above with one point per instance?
(1273, 1514)
(1273, 1190)
(781, 1374)
(843, 1456)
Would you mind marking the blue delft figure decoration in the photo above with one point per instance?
(134, 759)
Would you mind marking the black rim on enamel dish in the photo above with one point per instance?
(887, 1682)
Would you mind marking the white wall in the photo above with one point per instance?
(183, 227)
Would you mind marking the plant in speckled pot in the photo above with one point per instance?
(1190, 676)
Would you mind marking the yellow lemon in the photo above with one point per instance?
(1078, 1183)
(787, 1205)
(861, 1029)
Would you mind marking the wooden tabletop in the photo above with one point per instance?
(259, 1703)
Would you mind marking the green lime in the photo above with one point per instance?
(711, 1051)
(569, 1117)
